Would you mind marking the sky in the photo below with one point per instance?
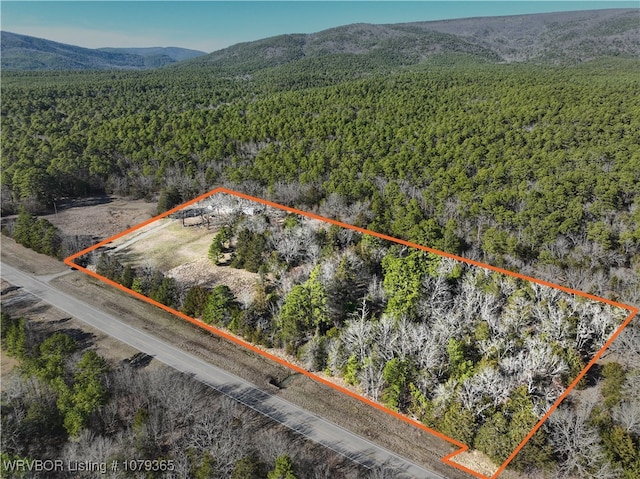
(212, 25)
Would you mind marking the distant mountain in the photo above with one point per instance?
(361, 44)
(553, 38)
(174, 53)
(22, 52)
(549, 37)
(557, 38)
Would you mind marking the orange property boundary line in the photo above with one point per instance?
(462, 447)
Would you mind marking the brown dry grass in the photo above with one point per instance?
(202, 272)
(181, 252)
(34, 263)
(7, 363)
(164, 247)
(477, 461)
(101, 217)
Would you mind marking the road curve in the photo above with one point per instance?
(313, 427)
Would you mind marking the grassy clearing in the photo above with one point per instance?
(168, 248)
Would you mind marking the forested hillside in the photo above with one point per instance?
(558, 38)
(23, 52)
(554, 37)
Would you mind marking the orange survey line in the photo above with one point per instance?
(461, 447)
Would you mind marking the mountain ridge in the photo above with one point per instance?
(521, 31)
(23, 52)
(551, 38)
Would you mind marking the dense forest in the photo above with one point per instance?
(534, 168)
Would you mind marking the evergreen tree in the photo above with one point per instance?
(169, 198)
(128, 277)
(493, 438)
(303, 312)
(283, 469)
(22, 228)
(195, 301)
(53, 353)
(458, 423)
(403, 281)
(397, 373)
(220, 303)
(137, 286)
(166, 292)
(248, 467)
(219, 244)
(249, 250)
(14, 336)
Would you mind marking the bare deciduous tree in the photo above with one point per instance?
(627, 414)
(371, 377)
(89, 448)
(577, 444)
(484, 389)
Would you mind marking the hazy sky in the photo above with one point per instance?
(211, 25)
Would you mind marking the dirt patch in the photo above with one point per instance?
(100, 217)
(477, 461)
(202, 272)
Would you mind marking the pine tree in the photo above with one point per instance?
(304, 311)
(128, 277)
(167, 292)
(283, 469)
(458, 423)
(219, 305)
(493, 438)
(219, 243)
(403, 280)
(195, 301)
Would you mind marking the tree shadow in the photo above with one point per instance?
(62, 320)
(95, 200)
(593, 375)
(138, 361)
(9, 289)
(83, 339)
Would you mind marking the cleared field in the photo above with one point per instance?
(165, 244)
(100, 217)
(181, 253)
